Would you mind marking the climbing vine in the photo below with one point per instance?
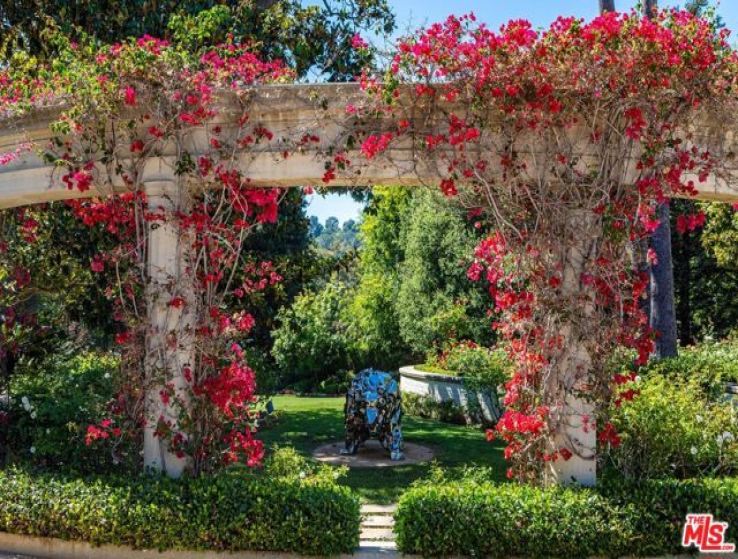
(185, 377)
(563, 142)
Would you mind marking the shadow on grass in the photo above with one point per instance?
(305, 423)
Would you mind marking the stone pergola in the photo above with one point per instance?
(288, 111)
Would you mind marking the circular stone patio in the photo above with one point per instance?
(371, 455)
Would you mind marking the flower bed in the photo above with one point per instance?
(483, 519)
(224, 513)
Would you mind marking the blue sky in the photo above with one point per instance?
(539, 12)
(341, 206)
(415, 13)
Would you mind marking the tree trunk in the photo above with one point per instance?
(683, 253)
(663, 314)
(607, 6)
(650, 7)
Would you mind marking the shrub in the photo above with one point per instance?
(710, 364)
(490, 367)
(483, 519)
(423, 406)
(672, 429)
(52, 405)
(312, 515)
(656, 509)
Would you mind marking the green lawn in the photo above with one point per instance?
(306, 423)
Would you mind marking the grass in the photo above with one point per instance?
(306, 423)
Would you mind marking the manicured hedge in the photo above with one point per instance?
(228, 512)
(483, 519)
(506, 520)
(657, 508)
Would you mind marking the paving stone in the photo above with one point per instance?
(379, 546)
(378, 509)
(385, 534)
(378, 521)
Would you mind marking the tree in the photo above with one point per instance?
(338, 239)
(435, 300)
(349, 232)
(607, 6)
(312, 342)
(383, 252)
(332, 225)
(413, 293)
(316, 228)
(306, 36)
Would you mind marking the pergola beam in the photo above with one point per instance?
(288, 111)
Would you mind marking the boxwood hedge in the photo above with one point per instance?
(228, 512)
(484, 519)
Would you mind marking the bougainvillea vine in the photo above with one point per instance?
(563, 141)
(185, 377)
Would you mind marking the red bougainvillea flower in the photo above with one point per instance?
(97, 264)
(130, 96)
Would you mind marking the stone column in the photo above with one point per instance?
(571, 371)
(169, 344)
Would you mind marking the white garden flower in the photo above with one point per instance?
(106, 375)
(33, 450)
(302, 475)
(694, 450)
(699, 418)
(719, 440)
(638, 378)
(33, 415)
(728, 437)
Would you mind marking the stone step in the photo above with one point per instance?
(375, 546)
(384, 534)
(378, 509)
(378, 521)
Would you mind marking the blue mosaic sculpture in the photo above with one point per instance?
(374, 411)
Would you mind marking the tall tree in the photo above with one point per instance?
(607, 6)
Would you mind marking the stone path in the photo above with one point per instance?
(377, 531)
